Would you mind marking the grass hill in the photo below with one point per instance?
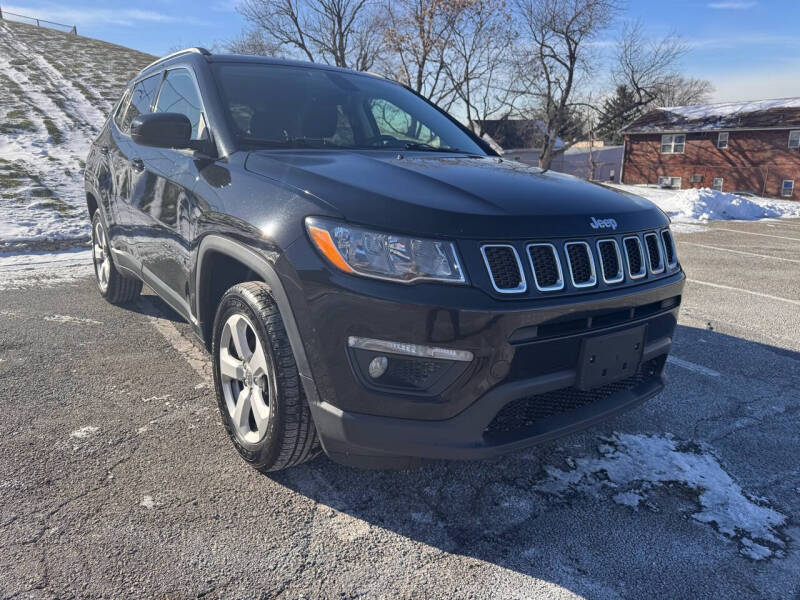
(56, 90)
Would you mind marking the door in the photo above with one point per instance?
(129, 179)
(169, 205)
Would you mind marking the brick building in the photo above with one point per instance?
(734, 146)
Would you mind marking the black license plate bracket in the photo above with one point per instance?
(608, 358)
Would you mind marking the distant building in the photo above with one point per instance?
(733, 146)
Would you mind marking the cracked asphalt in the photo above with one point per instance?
(117, 479)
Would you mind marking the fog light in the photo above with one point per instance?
(378, 366)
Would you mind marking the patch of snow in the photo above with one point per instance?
(633, 466)
(631, 499)
(151, 398)
(704, 204)
(84, 432)
(70, 319)
(147, 502)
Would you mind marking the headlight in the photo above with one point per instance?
(384, 255)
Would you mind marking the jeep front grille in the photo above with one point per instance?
(505, 269)
(556, 267)
(654, 253)
(610, 261)
(546, 267)
(581, 264)
(635, 257)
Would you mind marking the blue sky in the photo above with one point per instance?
(747, 49)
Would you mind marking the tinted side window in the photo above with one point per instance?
(179, 95)
(142, 98)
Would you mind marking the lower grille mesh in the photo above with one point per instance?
(528, 411)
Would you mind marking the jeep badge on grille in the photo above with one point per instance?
(603, 223)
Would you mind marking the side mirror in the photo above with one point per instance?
(162, 130)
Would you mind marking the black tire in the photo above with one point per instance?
(114, 287)
(289, 436)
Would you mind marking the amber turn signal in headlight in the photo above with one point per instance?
(383, 255)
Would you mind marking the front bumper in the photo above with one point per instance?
(383, 442)
(522, 350)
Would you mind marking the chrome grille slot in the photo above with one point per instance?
(635, 257)
(581, 264)
(669, 248)
(505, 268)
(546, 266)
(610, 261)
(654, 256)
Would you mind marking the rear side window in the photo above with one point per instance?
(142, 99)
(119, 116)
(179, 95)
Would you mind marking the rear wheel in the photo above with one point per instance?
(113, 285)
(258, 387)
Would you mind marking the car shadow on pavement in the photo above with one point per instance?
(543, 512)
(150, 305)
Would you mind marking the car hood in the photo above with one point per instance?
(436, 194)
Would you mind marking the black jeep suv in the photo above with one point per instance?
(371, 278)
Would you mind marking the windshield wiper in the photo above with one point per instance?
(429, 148)
(302, 142)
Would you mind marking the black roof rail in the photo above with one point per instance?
(195, 50)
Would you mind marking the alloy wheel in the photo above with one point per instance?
(244, 375)
(101, 255)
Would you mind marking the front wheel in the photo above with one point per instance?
(113, 285)
(258, 387)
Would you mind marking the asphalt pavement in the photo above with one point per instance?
(117, 479)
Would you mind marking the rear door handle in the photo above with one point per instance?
(137, 164)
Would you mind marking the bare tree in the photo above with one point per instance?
(417, 37)
(338, 32)
(253, 42)
(556, 48)
(646, 76)
(676, 90)
(643, 64)
(477, 60)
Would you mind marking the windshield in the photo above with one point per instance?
(277, 106)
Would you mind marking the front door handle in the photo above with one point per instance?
(137, 164)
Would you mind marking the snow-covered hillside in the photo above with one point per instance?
(55, 92)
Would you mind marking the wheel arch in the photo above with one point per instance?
(91, 204)
(242, 261)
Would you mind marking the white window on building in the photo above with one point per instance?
(696, 178)
(673, 143)
(669, 182)
(722, 139)
(794, 139)
(716, 184)
(787, 188)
